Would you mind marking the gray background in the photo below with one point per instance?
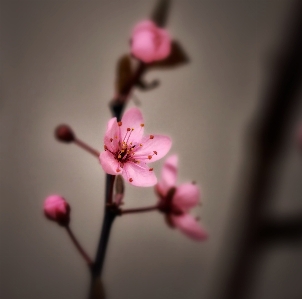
(58, 65)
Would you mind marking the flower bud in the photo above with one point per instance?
(64, 133)
(57, 209)
(150, 43)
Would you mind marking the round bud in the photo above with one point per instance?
(57, 209)
(64, 133)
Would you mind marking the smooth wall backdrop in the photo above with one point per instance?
(58, 66)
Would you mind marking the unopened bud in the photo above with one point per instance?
(57, 209)
(64, 133)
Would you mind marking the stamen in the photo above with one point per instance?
(155, 152)
(151, 136)
(128, 129)
(111, 139)
(119, 156)
(105, 147)
(149, 157)
(142, 125)
(119, 123)
(150, 169)
(118, 170)
(140, 144)
(129, 134)
(131, 180)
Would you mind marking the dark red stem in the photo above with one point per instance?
(86, 147)
(139, 210)
(78, 246)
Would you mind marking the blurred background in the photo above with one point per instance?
(232, 116)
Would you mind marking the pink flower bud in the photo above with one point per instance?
(150, 43)
(57, 209)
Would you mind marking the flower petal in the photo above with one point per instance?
(168, 174)
(164, 49)
(153, 148)
(139, 175)
(186, 196)
(112, 137)
(190, 227)
(132, 119)
(143, 47)
(143, 25)
(109, 164)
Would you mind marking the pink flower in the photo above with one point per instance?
(57, 209)
(150, 43)
(127, 152)
(176, 202)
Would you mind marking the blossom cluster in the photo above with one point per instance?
(128, 151)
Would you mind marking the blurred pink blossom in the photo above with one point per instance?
(57, 209)
(176, 201)
(150, 43)
(127, 151)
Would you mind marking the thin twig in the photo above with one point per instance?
(78, 246)
(138, 210)
(87, 147)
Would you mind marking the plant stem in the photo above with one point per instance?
(139, 210)
(86, 147)
(78, 246)
(116, 106)
(109, 217)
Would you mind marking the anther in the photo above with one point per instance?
(151, 136)
(128, 129)
(149, 157)
(131, 180)
(118, 170)
(119, 123)
(111, 139)
(140, 144)
(105, 147)
(155, 152)
(150, 169)
(142, 125)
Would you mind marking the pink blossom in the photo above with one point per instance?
(150, 43)
(57, 209)
(127, 151)
(176, 201)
